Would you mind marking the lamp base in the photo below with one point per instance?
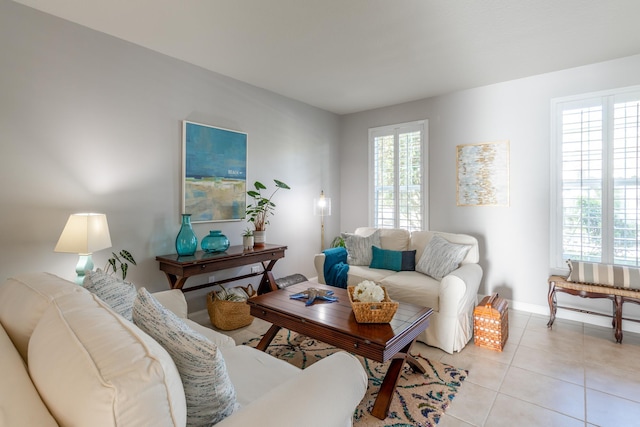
(84, 263)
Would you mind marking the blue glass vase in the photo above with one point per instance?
(186, 241)
(215, 242)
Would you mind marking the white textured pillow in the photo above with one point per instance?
(117, 293)
(209, 393)
(441, 257)
(359, 250)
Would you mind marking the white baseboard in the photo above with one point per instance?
(586, 318)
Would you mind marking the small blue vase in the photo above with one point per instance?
(215, 242)
(186, 241)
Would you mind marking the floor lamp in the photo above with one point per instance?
(322, 207)
(84, 234)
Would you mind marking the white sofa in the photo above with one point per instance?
(452, 299)
(66, 358)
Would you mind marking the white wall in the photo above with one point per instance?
(92, 123)
(514, 240)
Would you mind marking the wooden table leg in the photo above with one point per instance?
(175, 282)
(268, 337)
(388, 387)
(268, 282)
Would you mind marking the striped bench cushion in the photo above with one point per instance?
(616, 276)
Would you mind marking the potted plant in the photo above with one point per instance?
(247, 239)
(261, 208)
(116, 263)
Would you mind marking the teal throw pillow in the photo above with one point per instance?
(393, 260)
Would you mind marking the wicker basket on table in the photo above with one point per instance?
(373, 312)
(228, 314)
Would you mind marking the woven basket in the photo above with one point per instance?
(227, 315)
(373, 312)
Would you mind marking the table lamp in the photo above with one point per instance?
(322, 207)
(84, 234)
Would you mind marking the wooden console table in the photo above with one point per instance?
(179, 268)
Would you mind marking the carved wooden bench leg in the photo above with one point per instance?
(618, 319)
(553, 304)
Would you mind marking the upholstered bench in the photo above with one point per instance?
(592, 280)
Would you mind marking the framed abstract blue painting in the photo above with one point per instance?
(214, 168)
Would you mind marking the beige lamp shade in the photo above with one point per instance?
(84, 233)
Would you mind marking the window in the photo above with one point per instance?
(397, 176)
(596, 182)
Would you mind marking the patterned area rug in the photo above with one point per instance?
(420, 400)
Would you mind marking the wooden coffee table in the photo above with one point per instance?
(335, 324)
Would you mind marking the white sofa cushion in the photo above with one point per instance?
(23, 301)
(20, 404)
(417, 288)
(395, 239)
(254, 373)
(441, 257)
(117, 293)
(209, 393)
(94, 368)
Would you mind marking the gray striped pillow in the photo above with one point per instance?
(359, 248)
(617, 276)
(208, 389)
(441, 257)
(117, 293)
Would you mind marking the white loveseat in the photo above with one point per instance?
(452, 299)
(66, 358)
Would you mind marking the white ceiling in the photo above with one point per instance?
(353, 55)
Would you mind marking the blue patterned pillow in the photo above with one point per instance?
(117, 293)
(208, 389)
(393, 260)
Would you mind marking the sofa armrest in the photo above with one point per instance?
(174, 301)
(318, 262)
(333, 387)
(459, 288)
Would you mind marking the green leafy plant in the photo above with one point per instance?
(338, 242)
(120, 262)
(248, 232)
(262, 207)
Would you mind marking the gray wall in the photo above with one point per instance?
(514, 240)
(92, 123)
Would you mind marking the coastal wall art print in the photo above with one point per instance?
(214, 181)
(483, 174)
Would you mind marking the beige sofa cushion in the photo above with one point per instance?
(23, 301)
(107, 371)
(411, 286)
(394, 239)
(20, 404)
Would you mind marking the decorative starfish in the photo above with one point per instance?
(311, 294)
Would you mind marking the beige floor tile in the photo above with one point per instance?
(612, 380)
(550, 393)
(518, 319)
(571, 345)
(504, 356)
(449, 421)
(472, 404)
(605, 410)
(510, 412)
(484, 372)
(549, 363)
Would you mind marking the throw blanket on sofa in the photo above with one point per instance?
(336, 267)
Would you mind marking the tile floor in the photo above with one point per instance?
(573, 375)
